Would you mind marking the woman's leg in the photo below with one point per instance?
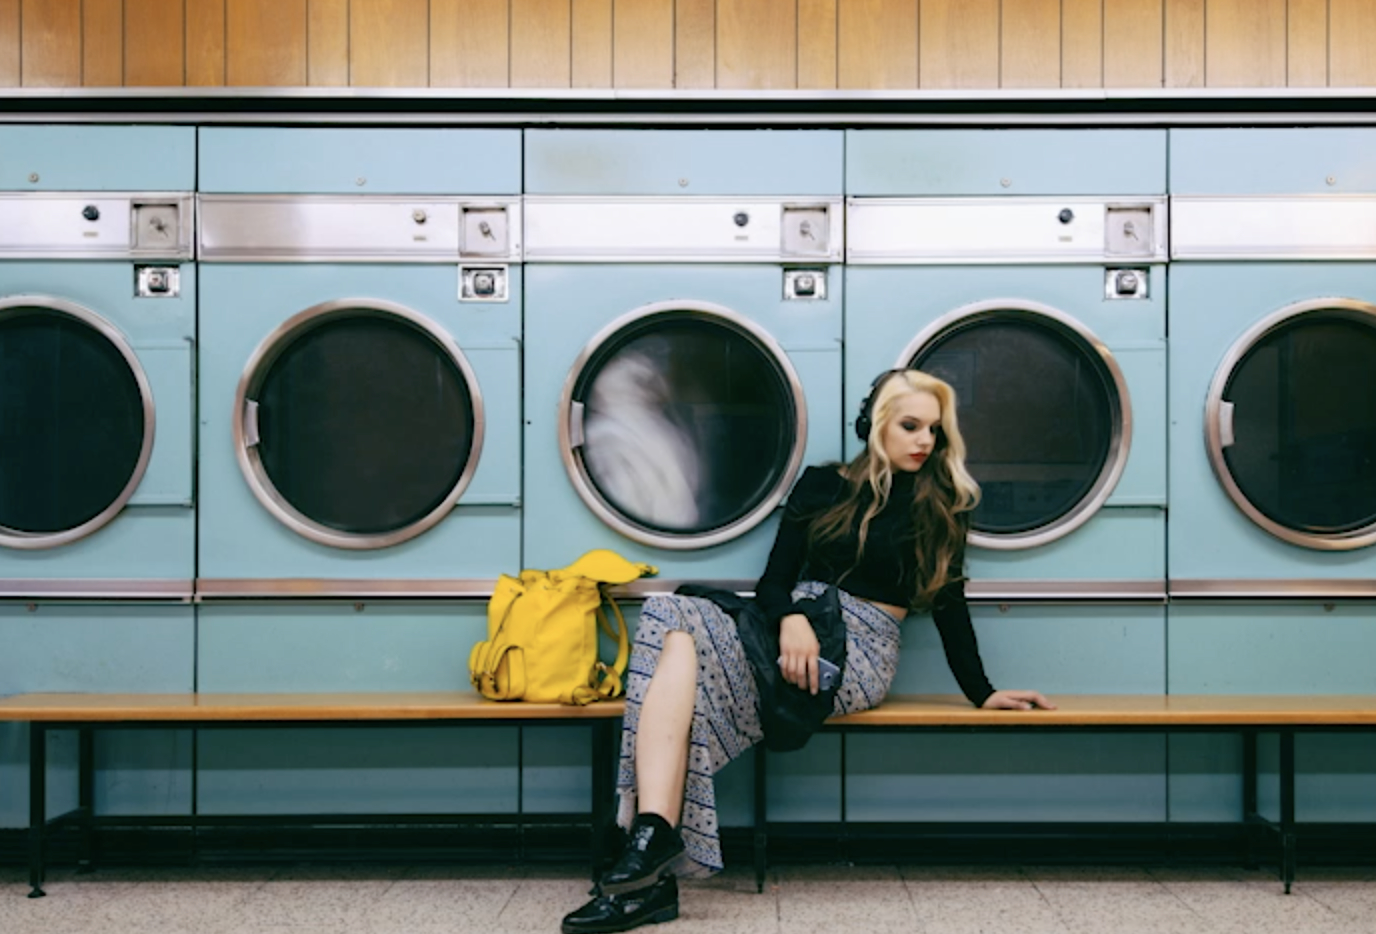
(666, 717)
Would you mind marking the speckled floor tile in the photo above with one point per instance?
(465, 904)
(1121, 907)
(315, 896)
(970, 906)
(1258, 908)
(180, 905)
(538, 904)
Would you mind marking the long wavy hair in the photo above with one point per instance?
(943, 495)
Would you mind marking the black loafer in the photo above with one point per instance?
(607, 914)
(650, 854)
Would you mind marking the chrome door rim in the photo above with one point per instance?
(1346, 308)
(1120, 402)
(251, 465)
(573, 461)
(15, 538)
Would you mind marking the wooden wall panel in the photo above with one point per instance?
(591, 43)
(1184, 43)
(1082, 43)
(643, 43)
(9, 44)
(1351, 43)
(1132, 43)
(50, 43)
(470, 43)
(1030, 44)
(389, 43)
(817, 43)
(265, 43)
(540, 44)
(102, 43)
(1245, 43)
(695, 43)
(205, 42)
(876, 44)
(154, 43)
(757, 43)
(958, 44)
(1307, 43)
(327, 43)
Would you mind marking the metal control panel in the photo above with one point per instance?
(97, 225)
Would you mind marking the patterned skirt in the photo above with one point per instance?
(726, 719)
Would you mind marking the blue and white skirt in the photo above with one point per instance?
(726, 717)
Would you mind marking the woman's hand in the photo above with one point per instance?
(798, 651)
(1016, 700)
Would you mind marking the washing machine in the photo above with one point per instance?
(97, 376)
(683, 328)
(1027, 269)
(1273, 441)
(360, 438)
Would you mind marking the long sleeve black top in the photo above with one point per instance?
(886, 572)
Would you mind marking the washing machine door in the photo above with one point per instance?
(1290, 424)
(76, 422)
(682, 425)
(358, 423)
(1045, 414)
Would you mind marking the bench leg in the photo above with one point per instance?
(38, 804)
(604, 761)
(1249, 799)
(86, 797)
(761, 848)
(1287, 808)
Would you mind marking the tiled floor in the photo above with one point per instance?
(806, 900)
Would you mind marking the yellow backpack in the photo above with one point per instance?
(542, 633)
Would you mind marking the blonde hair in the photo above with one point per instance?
(943, 495)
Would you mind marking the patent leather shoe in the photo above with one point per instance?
(607, 914)
(652, 850)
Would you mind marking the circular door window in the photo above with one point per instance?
(1290, 424)
(76, 422)
(682, 425)
(1044, 411)
(358, 423)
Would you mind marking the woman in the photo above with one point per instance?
(888, 529)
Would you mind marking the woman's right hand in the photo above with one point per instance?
(798, 651)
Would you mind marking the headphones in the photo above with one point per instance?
(864, 422)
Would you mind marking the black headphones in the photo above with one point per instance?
(865, 420)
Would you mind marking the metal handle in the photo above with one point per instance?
(1225, 424)
(576, 425)
(251, 436)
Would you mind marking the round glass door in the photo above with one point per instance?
(1290, 424)
(682, 425)
(1044, 410)
(358, 423)
(76, 422)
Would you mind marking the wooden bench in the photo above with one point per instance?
(1247, 716)
(87, 713)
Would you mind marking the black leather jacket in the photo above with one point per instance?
(788, 714)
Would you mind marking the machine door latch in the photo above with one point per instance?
(1125, 283)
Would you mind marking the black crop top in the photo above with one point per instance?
(886, 572)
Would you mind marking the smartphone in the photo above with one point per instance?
(828, 675)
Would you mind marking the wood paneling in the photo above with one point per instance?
(540, 39)
(1082, 43)
(469, 43)
(695, 43)
(876, 44)
(592, 43)
(1030, 40)
(327, 43)
(643, 43)
(817, 43)
(9, 44)
(1184, 43)
(102, 43)
(389, 43)
(154, 43)
(1307, 43)
(1132, 43)
(1351, 43)
(265, 43)
(958, 44)
(1244, 43)
(50, 43)
(205, 42)
(757, 43)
